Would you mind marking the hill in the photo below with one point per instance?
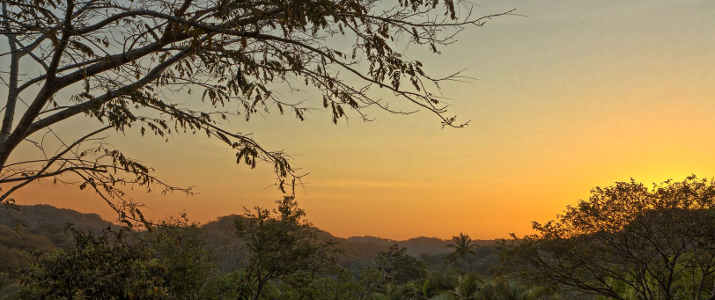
(43, 227)
(39, 228)
(220, 235)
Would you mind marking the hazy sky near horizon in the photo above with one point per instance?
(572, 95)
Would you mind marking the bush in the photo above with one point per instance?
(168, 262)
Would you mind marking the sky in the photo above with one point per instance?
(568, 96)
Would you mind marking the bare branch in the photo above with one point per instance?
(51, 161)
(51, 174)
(98, 101)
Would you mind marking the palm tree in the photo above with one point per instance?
(463, 246)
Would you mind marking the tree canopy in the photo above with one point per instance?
(169, 262)
(628, 241)
(123, 63)
(463, 247)
(280, 243)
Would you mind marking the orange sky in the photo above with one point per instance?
(576, 94)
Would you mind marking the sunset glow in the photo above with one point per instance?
(565, 97)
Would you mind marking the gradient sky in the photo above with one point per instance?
(573, 95)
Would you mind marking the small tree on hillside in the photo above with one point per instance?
(124, 64)
(628, 241)
(280, 243)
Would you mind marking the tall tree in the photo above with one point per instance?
(463, 247)
(123, 63)
(628, 241)
(280, 243)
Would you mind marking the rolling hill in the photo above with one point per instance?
(39, 228)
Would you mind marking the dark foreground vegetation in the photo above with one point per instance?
(627, 241)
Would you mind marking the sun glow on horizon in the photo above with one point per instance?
(574, 96)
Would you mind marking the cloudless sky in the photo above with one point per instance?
(572, 95)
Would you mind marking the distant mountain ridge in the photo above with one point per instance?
(46, 226)
(49, 221)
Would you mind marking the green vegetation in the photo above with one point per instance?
(167, 262)
(628, 241)
(625, 242)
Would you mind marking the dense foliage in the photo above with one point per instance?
(278, 251)
(625, 242)
(281, 246)
(168, 262)
(628, 241)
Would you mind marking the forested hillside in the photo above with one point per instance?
(39, 228)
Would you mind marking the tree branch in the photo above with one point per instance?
(98, 101)
(50, 174)
(12, 88)
(51, 161)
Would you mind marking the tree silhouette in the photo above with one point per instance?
(280, 243)
(629, 242)
(124, 63)
(397, 266)
(463, 248)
